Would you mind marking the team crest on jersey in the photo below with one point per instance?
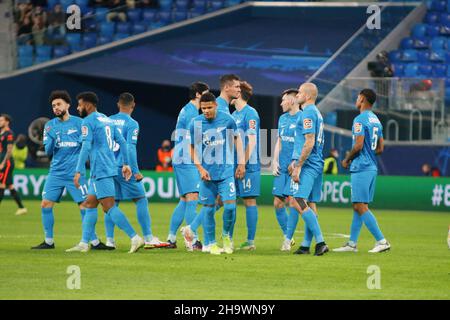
(307, 123)
(252, 124)
(84, 131)
(135, 134)
(358, 127)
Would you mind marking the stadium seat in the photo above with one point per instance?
(438, 43)
(74, 41)
(107, 29)
(24, 62)
(25, 51)
(165, 17)
(421, 43)
(165, 5)
(100, 14)
(431, 18)
(89, 23)
(216, 5)
(438, 5)
(425, 70)
(194, 14)
(51, 4)
(395, 55)
(41, 59)
(409, 55)
(83, 4)
(139, 27)
(123, 27)
(43, 51)
(437, 56)
(439, 70)
(103, 40)
(134, 15)
(229, 3)
(419, 30)
(423, 56)
(407, 43)
(411, 70)
(89, 40)
(199, 5)
(120, 36)
(149, 15)
(60, 51)
(179, 16)
(182, 5)
(398, 69)
(445, 18)
(433, 30)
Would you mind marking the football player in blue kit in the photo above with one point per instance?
(230, 89)
(213, 137)
(281, 160)
(62, 141)
(362, 159)
(99, 135)
(308, 168)
(132, 189)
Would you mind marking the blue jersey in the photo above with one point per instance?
(99, 134)
(368, 125)
(62, 140)
(247, 122)
(222, 105)
(286, 131)
(129, 128)
(214, 144)
(310, 121)
(181, 153)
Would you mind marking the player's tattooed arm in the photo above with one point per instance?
(7, 156)
(380, 146)
(306, 150)
(359, 143)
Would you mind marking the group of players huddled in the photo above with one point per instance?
(216, 159)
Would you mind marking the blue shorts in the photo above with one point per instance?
(54, 188)
(102, 188)
(250, 186)
(188, 179)
(209, 190)
(127, 190)
(282, 185)
(363, 186)
(310, 186)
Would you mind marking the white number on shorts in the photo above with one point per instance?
(232, 189)
(247, 184)
(84, 190)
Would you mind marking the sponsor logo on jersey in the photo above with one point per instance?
(292, 126)
(358, 127)
(252, 124)
(72, 131)
(67, 144)
(119, 122)
(373, 120)
(307, 123)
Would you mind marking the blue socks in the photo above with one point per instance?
(355, 229)
(177, 219)
(109, 227)
(88, 224)
(197, 222)
(371, 223)
(292, 222)
(282, 218)
(121, 221)
(93, 235)
(313, 224)
(209, 224)
(252, 220)
(143, 217)
(308, 237)
(48, 221)
(228, 217)
(190, 211)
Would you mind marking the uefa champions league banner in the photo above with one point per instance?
(397, 193)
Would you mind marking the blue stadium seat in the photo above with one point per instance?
(134, 15)
(439, 70)
(25, 51)
(165, 16)
(407, 43)
(156, 25)
(74, 41)
(149, 15)
(120, 36)
(438, 43)
(437, 5)
(89, 40)
(445, 18)
(89, 23)
(433, 30)
(41, 59)
(103, 40)
(139, 27)
(216, 5)
(100, 14)
(43, 51)
(66, 3)
(419, 30)
(60, 51)
(182, 5)
(398, 69)
(431, 18)
(51, 4)
(409, 55)
(107, 29)
(179, 16)
(199, 5)
(421, 43)
(437, 56)
(194, 14)
(123, 27)
(83, 4)
(24, 62)
(425, 70)
(411, 70)
(395, 55)
(423, 56)
(165, 4)
(229, 3)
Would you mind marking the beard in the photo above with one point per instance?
(83, 113)
(61, 115)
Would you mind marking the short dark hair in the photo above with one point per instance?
(227, 78)
(370, 95)
(60, 94)
(208, 97)
(7, 117)
(88, 96)
(197, 87)
(291, 91)
(126, 98)
(246, 91)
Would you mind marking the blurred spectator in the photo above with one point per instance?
(20, 151)
(164, 161)
(56, 21)
(118, 10)
(429, 171)
(331, 164)
(39, 3)
(38, 30)
(147, 4)
(25, 25)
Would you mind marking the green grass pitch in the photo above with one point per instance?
(417, 267)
